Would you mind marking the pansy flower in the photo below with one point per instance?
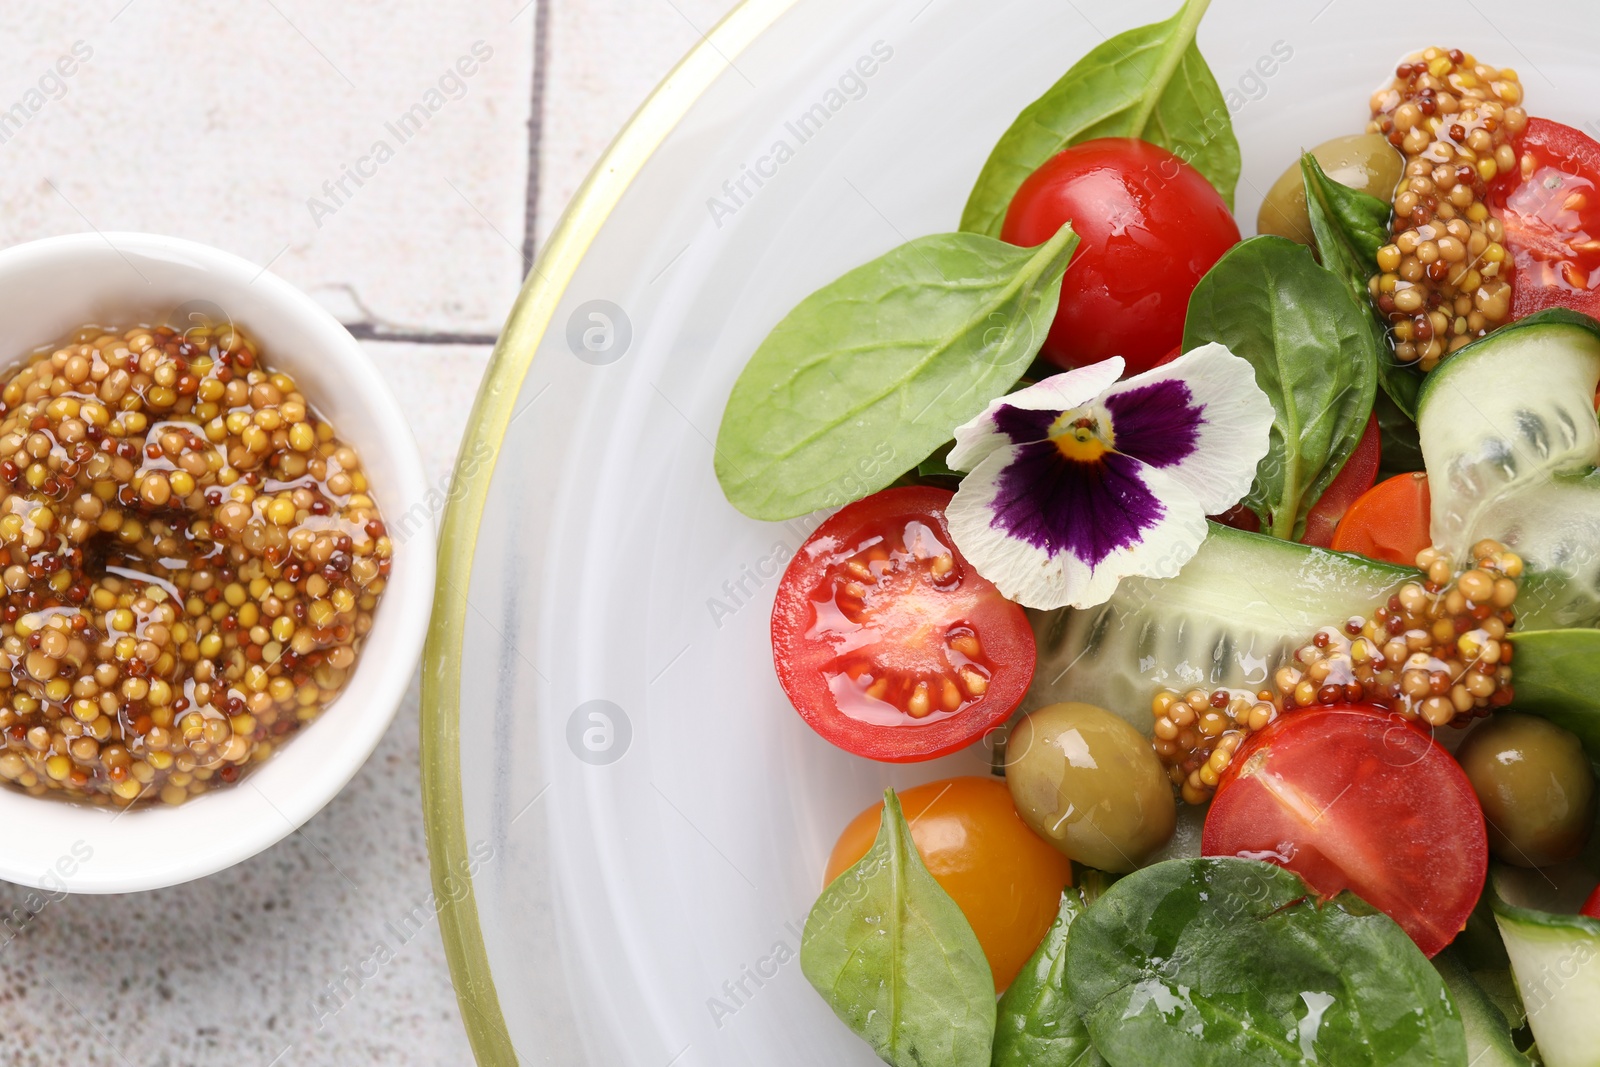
(1081, 480)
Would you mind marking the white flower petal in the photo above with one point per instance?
(1058, 393)
(1211, 395)
(1038, 578)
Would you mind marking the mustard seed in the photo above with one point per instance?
(160, 634)
(1455, 120)
(1434, 653)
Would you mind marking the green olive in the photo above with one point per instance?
(1365, 161)
(1091, 785)
(1536, 787)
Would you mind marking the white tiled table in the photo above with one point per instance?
(236, 122)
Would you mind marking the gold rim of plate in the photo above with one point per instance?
(444, 818)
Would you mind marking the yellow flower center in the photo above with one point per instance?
(1080, 437)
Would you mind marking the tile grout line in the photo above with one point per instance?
(367, 331)
(541, 66)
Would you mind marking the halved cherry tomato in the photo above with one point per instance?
(1353, 479)
(888, 642)
(1355, 797)
(1388, 521)
(1150, 225)
(1552, 220)
(1005, 879)
(1591, 907)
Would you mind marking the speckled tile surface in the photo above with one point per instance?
(222, 122)
(257, 126)
(605, 56)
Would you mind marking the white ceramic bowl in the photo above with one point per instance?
(47, 289)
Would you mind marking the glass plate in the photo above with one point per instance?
(628, 822)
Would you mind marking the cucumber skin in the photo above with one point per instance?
(1556, 960)
(1547, 317)
(1255, 598)
(1512, 455)
(1557, 972)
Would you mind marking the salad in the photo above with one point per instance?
(1268, 570)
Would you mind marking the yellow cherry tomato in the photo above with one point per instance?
(1005, 879)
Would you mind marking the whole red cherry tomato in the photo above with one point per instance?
(1150, 226)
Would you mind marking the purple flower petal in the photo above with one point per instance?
(1201, 419)
(1057, 576)
(1158, 422)
(1049, 398)
(1087, 509)
(1023, 425)
(1122, 488)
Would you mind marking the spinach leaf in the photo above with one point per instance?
(894, 957)
(1481, 952)
(937, 465)
(1350, 227)
(1557, 676)
(1312, 348)
(1092, 882)
(1354, 225)
(1219, 962)
(1488, 1033)
(1038, 1026)
(1400, 448)
(1150, 82)
(872, 372)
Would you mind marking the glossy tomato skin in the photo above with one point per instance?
(1150, 225)
(1550, 236)
(1355, 797)
(902, 617)
(1353, 479)
(1591, 907)
(1389, 521)
(1005, 879)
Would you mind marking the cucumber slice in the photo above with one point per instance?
(1555, 956)
(1511, 442)
(1235, 612)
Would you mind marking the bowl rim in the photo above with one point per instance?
(444, 815)
(408, 597)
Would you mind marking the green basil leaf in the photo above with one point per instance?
(1037, 1025)
(1350, 226)
(894, 957)
(872, 372)
(1150, 82)
(1219, 962)
(1312, 348)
